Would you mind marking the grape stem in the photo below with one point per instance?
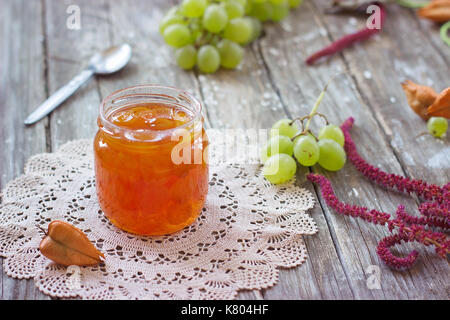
(301, 119)
(319, 100)
(304, 131)
(313, 113)
(412, 4)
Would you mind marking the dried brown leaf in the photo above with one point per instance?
(441, 106)
(419, 97)
(436, 10)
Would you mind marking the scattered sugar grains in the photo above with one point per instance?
(286, 26)
(367, 74)
(274, 52)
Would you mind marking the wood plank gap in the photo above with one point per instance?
(270, 77)
(318, 194)
(436, 48)
(312, 264)
(206, 117)
(333, 235)
(258, 53)
(110, 27)
(365, 100)
(403, 167)
(48, 136)
(364, 97)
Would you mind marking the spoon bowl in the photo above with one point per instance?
(110, 60)
(105, 62)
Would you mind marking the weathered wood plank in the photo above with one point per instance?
(228, 104)
(272, 83)
(153, 61)
(399, 56)
(258, 105)
(69, 51)
(354, 240)
(283, 50)
(22, 88)
(430, 32)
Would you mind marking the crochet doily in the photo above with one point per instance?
(247, 229)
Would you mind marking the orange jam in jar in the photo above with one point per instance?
(151, 163)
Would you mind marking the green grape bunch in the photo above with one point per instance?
(209, 34)
(289, 145)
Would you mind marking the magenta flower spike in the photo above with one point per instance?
(435, 212)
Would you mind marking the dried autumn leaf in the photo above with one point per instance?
(441, 106)
(437, 11)
(68, 245)
(419, 97)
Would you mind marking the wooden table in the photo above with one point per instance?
(39, 54)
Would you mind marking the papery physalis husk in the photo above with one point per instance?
(68, 245)
(419, 97)
(441, 106)
(436, 10)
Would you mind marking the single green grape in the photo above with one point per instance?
(332, 132)
(208, 59)
(196, 31)
(186, 57)
(279, 168)
(306, 150)
(243, 2)
(234, 9)
(230, 52)
(284, 127)
(295, 3)
(173, 10)
(332, 156)
(276, 145)
(277, 2)
(262, 11)
(194, 8)
(177, 35)
(437, 126)
(279, 11)
(169, 20)
(257, 28)
(215, 18)
(238, 30)
(248, 7)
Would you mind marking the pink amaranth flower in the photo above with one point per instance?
(435, 212)
(421, 188)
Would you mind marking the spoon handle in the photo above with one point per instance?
(59, 97)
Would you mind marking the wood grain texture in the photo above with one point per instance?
(355, 241)
(378, 67)
(272, 83)
(68, 54)
(22, 88)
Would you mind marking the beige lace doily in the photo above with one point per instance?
(247, 230)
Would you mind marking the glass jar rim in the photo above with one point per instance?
(178, 94)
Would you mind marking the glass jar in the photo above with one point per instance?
(151, 164)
